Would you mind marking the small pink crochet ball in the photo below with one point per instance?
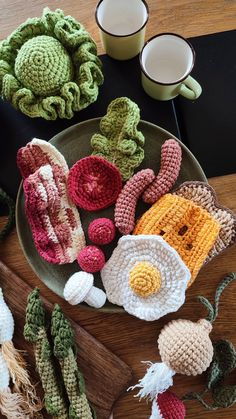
(101, 231)
(91, 259)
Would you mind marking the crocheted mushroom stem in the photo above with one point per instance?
(171, 157)
(128, 198)
(35, 332)
(79, 288)
(64, 350)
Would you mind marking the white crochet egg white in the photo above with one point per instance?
(154, 250)
(6, 321)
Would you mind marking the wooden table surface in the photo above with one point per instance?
(132, 339)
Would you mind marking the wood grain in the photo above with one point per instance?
(98, 365)
(131, 339)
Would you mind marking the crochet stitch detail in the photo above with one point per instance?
(120, 142)
(49, 67)
(101, 231)
(144, 279)
(188, 228)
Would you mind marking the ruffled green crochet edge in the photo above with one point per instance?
(74, 95)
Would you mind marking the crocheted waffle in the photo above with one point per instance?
(204, 195)
(54, 221)
(49, 67)
(38, 153)
(120, 142)
(146, 276)
(94, 183)
(187, 227)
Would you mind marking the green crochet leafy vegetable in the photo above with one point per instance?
(120, 142)
(49, 67)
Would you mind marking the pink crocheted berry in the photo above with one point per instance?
(170, 406)
(91, 259)
(101, 231)
(94, 183)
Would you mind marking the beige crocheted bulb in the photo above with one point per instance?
(185, 346)
(43, 65)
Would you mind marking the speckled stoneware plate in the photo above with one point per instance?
(74, 143)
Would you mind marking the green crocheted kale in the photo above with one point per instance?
(120, 142)
(49, 67)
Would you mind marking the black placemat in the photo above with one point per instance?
(208, 126)
(121, 79)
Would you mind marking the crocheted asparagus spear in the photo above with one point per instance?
(120, 142)
(35, 332)
(15, 361)
(64, 350)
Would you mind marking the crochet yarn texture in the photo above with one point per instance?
(187, 227)
(94, 183)
(101, 231)
(79, 288)
(204, 195)
(120, 142)
(127, 200)
(146, 276)
(171, 157)
(168, 406)
(91, 259)
(49, 67)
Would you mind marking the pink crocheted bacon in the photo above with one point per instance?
(171, 157)
(128, 198)
(55, 223)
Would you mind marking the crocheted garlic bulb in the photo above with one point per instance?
(186, 347)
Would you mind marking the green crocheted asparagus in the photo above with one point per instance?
(35, 332)
(64, 350)
(120, 142)
(49, 67)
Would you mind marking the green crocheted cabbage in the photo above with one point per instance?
(121, 143)
(49, 67)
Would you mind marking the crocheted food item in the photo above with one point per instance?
(64, 348)
(101, 231)
(187, 227)
(168, 406)
(204, 195)
(15, 362)
(94, 183)
(54, 221)
(146, 276)
(38, 153)
(171, 157)
(49, 67)
(128, 198)
(120, 142)
(35, 332)
(79, 288)
(91, 259)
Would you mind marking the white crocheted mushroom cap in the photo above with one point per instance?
(146, 276)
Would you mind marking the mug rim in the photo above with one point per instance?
(121, 36)
(164, 83)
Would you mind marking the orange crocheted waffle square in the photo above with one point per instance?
(188, 228)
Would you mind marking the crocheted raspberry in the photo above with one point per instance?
(91, 259)
(102, 231)
(170, 406)
(94, 183)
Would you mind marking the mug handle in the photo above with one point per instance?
(190, 88)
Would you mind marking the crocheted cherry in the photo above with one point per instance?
(94, 183)
(91, 259)
(101, 231)
(168, 406)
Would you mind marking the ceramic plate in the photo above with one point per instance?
(74, 143)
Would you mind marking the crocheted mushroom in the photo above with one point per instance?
(49, 67)
(94, 183)
(91, 259)
(146, 276)
(168, 406)
(101, 231)
(187, 227)
(79, 288)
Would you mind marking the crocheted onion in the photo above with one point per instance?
(49, 67)
(146, 276)
(91, 259)
(101, 231)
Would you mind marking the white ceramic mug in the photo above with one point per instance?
(166, 62)
(122, 25)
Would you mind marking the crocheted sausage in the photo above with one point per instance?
(171, 156)
(127, 200)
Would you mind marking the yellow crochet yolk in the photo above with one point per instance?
(145, 279)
